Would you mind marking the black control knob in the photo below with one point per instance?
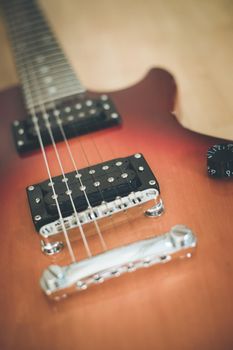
(220, 160)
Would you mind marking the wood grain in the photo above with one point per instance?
(186, 304)
(113, 43)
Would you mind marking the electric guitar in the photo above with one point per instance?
(95, 186)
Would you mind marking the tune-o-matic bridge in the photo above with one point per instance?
(110, 187)
(59, 281)
(80, 115)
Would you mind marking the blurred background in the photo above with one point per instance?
(113, 44)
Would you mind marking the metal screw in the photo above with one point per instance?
(141, 168)
(92, 171)
(110, 179)
(89, 103)
(114, 115)
(124, 175)
(118, 163)
(70, 118)
(81, 285)
(20, 143)
(105, 167)
(65, 179)
(68, 192)
(16, 123)
(152, 182)
(81, 115)
(56, 113)
(31, 188)
(50, 183)
(67, 109)
(137, 155)
(116, 273)
(37, 218)
(146, 261)
(99, 279)
(21, 131)
(106, 106)
(37, 200)
(92, 111)
(78, 106)
(78, 175)
(82, 188)
(131, 267)
(104, 97)
(97, 184)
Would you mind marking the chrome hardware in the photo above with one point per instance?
(156, 210)
(178, 242)
(103, 210)
(152, 182)
(137, 155)
(51, 248)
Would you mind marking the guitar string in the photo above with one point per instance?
(71, 156)
(111, 184)
(56, 113)
(55, 196)
(82, 186)
(129, 221)
(59, 122)
(37, 129)
(103, 243)
(68, 189)
(131, 225)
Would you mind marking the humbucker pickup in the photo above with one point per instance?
(78, 116)
(110, 187)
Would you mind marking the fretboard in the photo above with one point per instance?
(43, 69)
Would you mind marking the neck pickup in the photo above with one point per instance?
(78, 116)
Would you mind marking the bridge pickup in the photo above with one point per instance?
(111, 187)
(79, 116)
(59, 281)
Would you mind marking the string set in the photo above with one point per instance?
(29, 78)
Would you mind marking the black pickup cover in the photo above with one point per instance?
(139, 177)
(80, 115)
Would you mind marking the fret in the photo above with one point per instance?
(33, 35)
(43, 68)
(63, 72)
(43, 92)
(49, 51)
(57, 63)
(34, 26)
(55, 82)
(32, 45)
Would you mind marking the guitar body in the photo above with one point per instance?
(185, 304)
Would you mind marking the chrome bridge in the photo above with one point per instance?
(106, 209)
(59, 281)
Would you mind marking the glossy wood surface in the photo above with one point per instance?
(186, 304)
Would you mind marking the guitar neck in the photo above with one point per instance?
(43, 69)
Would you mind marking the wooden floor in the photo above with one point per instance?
(112, 44)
